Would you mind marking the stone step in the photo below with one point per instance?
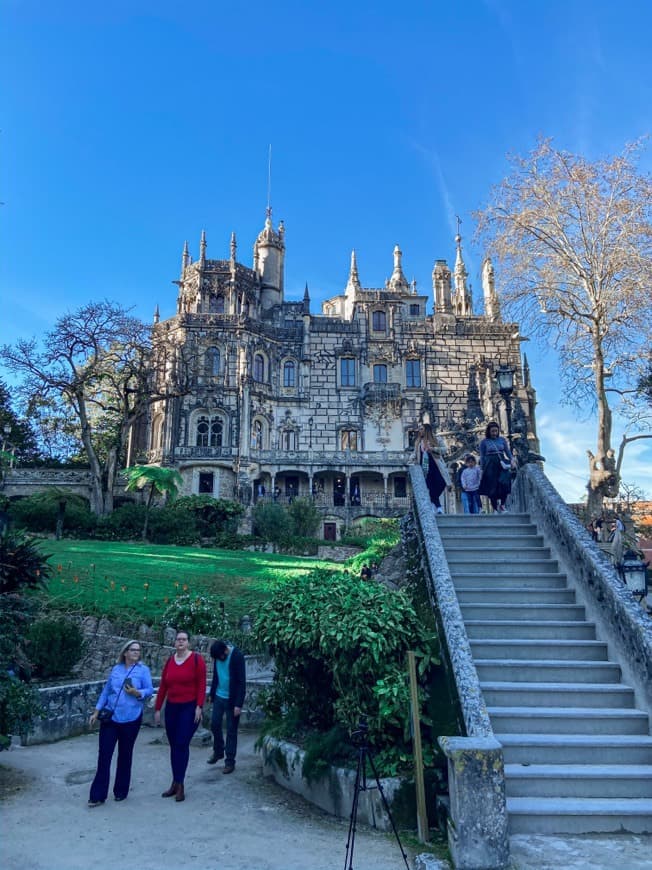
(579, 815)
(515, 671)
(513, 595)
(537, 694)
(534, 582)
(511, 542)
(540, 650)
(493, 562)
(567, 720)
(578, 780)
(521, 629)
(528, 613)
(576, 748)
(488, 522)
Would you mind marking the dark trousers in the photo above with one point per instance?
(223, 707)
(124, 734)
(180, 725)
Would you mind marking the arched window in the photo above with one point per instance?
(202, 432)
(349, 439)
(288, 439)
(257, 435)
(157, 432)
(212, 362)
(378, 321)
(216, 432)
(289, 374)
(259, 368)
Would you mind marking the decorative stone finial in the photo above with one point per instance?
(202, 248)
(234, 246)
(157, 314)
(398, 281)
(185, 258)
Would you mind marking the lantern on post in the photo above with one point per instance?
(634, 573)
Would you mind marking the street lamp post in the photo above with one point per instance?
(310, 425)
(505, 381)
(6, 429)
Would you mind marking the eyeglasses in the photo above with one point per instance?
(133, 649)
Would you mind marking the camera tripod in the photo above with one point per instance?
(359, 739)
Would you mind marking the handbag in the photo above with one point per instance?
(106, 713)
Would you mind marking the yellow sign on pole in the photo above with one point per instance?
(422, 816)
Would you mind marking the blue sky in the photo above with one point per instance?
(128, 127)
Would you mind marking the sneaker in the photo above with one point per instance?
(228, 768)
(215, 758)
(439, 510)
(95, 803)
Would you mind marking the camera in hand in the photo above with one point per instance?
(128, 684)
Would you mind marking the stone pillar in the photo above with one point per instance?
(477, 822)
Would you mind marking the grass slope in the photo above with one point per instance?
(139, 580)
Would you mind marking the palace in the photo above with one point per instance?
(288, 403)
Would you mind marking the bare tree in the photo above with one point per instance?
(98, 362)
(574, 243)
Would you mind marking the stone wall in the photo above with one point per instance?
(477, 820)
(67, 707)
(608, 602)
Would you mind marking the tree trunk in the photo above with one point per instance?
(111, 474)
(604, 480)
(61, 513)
(97, 490)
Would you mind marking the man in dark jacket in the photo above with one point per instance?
(227, 694)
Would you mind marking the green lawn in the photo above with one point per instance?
(140, 579)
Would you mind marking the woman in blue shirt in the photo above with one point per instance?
(129, 684)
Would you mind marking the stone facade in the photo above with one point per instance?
(288, 403)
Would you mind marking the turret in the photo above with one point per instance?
(269, 261)
(441, 287)
(398, 282)
(462, 302)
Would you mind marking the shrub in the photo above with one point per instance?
(55, 645)
(214, 517)
(272, 523)
(40, 513)
(22, 563)
(340, 647)
(169, 526)
(19, 706)
(198, 614)
(124, 524)
(305, 517)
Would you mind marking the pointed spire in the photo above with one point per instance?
(306, 300)
(185, 258)
(462, 302)
(526, 372)
(157, 314)
(353, 284)
(398, 281)
(491, 303)
(202, 249)
(234, 247)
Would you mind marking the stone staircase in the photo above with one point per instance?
(577, 752)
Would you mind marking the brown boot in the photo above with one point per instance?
(180, 795)
(171, 791)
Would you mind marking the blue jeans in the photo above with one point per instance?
(124, 734)
(180, 725)
(223, 707)
(471, 502)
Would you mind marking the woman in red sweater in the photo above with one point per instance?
(183, 683)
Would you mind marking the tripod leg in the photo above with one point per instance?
(387, 809)
(350, 840)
